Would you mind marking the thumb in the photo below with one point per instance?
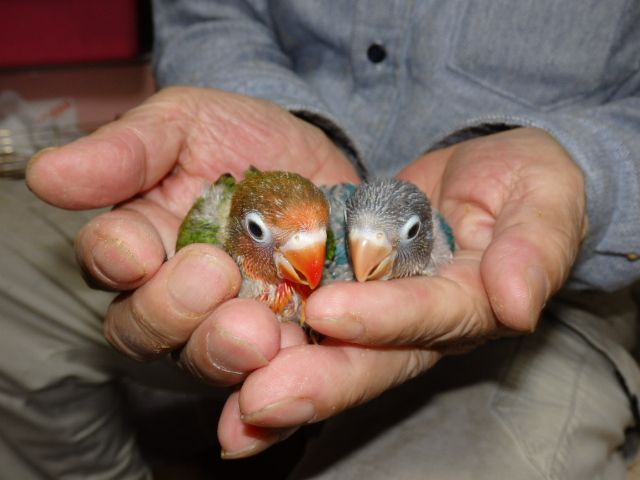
(108, 166)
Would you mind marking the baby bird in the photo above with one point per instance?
(274, 224)
(393, 231)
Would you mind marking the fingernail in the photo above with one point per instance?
(194, 269)
(254, 448)
(112, 253)
(285, 413)
(347, 327)
(269, 438)
(32, 162)
(37, 155)
(246, 356)
(539, 289)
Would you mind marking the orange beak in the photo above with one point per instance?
(371, 255)
(301, 259)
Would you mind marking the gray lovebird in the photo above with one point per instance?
(393, 231)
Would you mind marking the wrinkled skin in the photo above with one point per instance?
(515, 200)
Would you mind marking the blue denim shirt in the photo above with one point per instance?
(390, 80)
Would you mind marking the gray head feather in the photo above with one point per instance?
(404, 214)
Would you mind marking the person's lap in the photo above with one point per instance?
(61, 406)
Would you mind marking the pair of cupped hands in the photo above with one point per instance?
(515, 200)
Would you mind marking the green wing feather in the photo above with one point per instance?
(202, 223)
(251, 171)
(195, 229)
(227, 181)
(331, 245)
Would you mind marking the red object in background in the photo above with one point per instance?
(48, 32)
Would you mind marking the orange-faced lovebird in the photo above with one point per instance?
(274, 224)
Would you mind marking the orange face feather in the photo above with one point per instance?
(277, 229)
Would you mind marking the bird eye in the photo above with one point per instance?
(257, 228)
(411, 228)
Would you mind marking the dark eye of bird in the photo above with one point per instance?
(255, 230)
(413, 231)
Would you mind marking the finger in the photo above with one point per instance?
(528, 262)
(119, 250)
(240, 336)
(239, 439)
(538, 227)
(506, 287)
(161, 315)
(310, 383)
(122, 249)
(407, 311)
(114, 163)
(207, 132)
(292, 334)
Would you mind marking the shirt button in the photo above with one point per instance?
(376, 53)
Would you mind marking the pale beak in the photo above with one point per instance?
(371, 255)
(301, 258)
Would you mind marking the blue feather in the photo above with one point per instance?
(448, 231)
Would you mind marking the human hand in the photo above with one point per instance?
(516, 202)
(154, 162)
